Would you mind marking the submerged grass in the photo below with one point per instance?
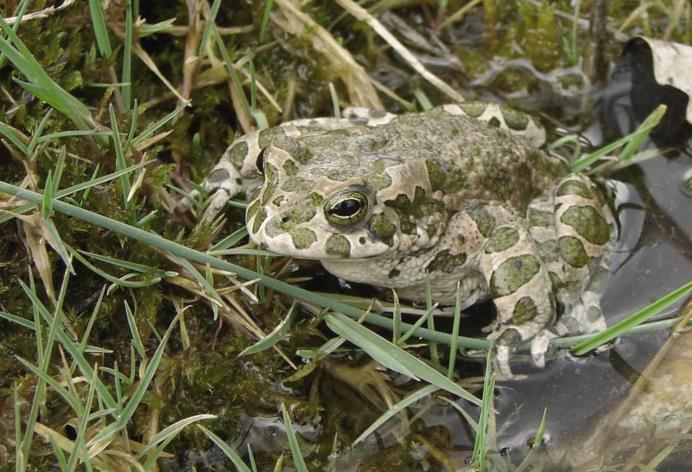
(115, 412)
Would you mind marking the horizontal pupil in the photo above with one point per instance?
(346, 207)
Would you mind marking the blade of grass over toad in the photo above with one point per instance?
(392, 356)
(455, 333)
(396, 408)
(247, 274)
(298, 460)
(630, 322)
(230, 453)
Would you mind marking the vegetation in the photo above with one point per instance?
(133, 338)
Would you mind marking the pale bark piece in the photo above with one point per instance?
(672, 64)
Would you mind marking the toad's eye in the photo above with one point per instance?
(259, 163)
(346, 208)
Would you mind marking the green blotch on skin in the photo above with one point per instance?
(572, 251)
(290, 167)
(252, 209)
(515, 120)
(574, 187)
(407, 209)
(403, 202)
(237, 154)
(445, 262)
(445, 176)
(270, 174)
(549, 251)
(436, 174)
(369, 144)
(338, 245)
(315, 198)
(525, 310)
(337, 175)
(473, 109)
(267, 136)
(541, 218)
(378, 178)
(431, 229)
(484, 220)
(278, 200)
(501, 239)
(259, 219)
(296, 185)
(301, 214)
(288, 144)
(555, 280)
(509, 337)
(588, 222)
(302, 238)
(382, 227)
(219, 175)
(494, 122)
(513, 274)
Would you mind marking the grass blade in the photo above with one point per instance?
(225, 448)
(272, 338)
(631, 321)
(242, 272)
(397, 408)
(298, 460)
(392, 356)
(100, 29)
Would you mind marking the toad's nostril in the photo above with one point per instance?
(286, 219)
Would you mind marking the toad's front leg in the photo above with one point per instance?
(518, 281)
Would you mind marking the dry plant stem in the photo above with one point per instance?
(149, 62)
(290, 99)
(36, 247)
(360, 90)
(596, 68)
(643, 380)
(363, 15)
(243, 118)
(674, 18)
(46, 12)
(191, 63)
(154, 420)
(595, 63)
(635, 16)
(223, 31)
(460, 13)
